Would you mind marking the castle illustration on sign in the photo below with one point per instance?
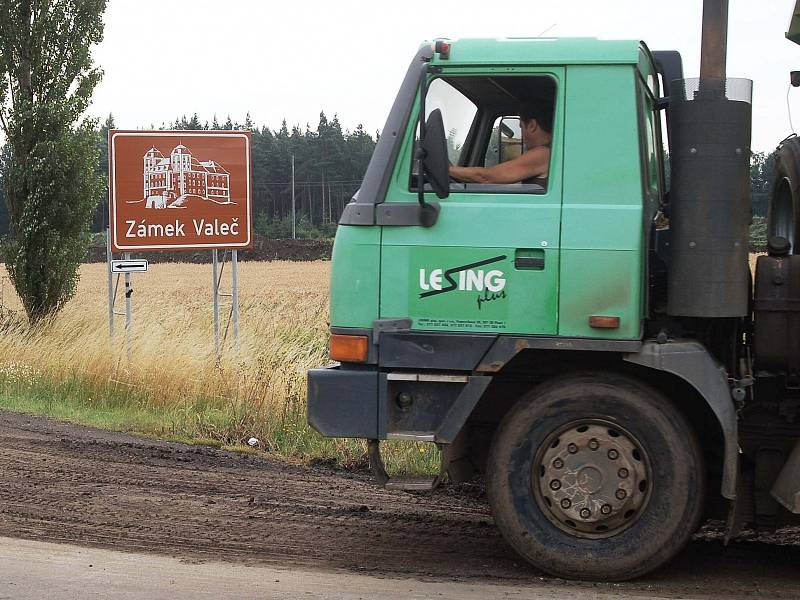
(170, 182)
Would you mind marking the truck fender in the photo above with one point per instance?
(691, 362)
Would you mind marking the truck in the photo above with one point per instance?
(593, 344)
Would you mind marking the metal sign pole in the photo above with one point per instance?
(128, 308)
(235, 296)
(109, 258)
(215, 291)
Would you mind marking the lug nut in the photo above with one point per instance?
(558, 463)
(613, 454)
(565, 503)
(605, 509)
(585, 513)
(555, 484)
(620, 494)
(593, 444)
(572, 448)
(623, 473)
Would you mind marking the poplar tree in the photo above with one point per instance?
(47, 77)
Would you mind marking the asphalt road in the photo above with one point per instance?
(36, 570)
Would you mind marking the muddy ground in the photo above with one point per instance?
(71, 484)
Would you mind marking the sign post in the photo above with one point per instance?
(179, 190)
(109, 258)
(235, 296)
(215, 277)
(128, 308)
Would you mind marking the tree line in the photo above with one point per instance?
(329, 165)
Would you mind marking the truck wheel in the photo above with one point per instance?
(596, 476)
(783, 215)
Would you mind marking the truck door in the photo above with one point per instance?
(490, 263)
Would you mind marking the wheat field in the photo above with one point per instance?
(283, 317)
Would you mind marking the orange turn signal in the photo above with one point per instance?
(603, 322)
(349, 348)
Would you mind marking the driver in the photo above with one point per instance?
(532, 166)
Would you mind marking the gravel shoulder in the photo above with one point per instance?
(66, 484)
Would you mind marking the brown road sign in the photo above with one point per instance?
(179, 190)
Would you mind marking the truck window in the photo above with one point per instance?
(458, 112)
(485, 117)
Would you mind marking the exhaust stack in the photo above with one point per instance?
(714, 49)
(709, 210)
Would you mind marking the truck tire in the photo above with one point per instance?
(784, 203)
(596, 476)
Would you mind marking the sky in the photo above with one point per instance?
(293, 58)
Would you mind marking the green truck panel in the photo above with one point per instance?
(602, 283)
(355, 268)
(541, 51)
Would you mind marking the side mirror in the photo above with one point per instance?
(794, 78)
(433, 156)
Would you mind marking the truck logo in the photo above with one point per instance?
(468, 278)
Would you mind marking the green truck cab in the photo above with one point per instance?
(545, 242)
(581, 340)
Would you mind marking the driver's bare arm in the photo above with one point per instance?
(534, 163)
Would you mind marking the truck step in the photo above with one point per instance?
(413, 484)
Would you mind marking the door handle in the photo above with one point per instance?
(529, 259)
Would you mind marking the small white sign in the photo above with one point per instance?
(129, 266)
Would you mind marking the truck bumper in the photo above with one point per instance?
(373, 404)
(343, 403)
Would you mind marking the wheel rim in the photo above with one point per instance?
(591, 478)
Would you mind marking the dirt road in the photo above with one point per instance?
(68, 484)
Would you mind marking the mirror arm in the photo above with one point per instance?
(420, 158)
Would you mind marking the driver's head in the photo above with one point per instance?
(536, 121)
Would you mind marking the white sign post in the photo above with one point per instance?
(124, 267)
(217, 269)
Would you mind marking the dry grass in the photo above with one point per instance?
(171, 384)
(283, 332)
(172, 324)
(253, 392)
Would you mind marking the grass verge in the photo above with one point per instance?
(115, 406)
